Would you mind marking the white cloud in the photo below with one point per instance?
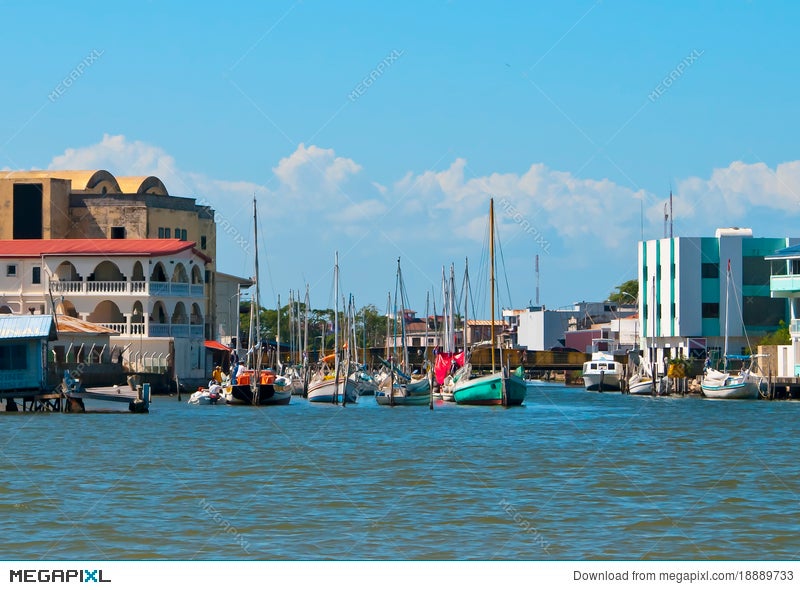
(319, 201)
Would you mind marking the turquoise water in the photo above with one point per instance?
(570, 475)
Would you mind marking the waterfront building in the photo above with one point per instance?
(151, 292)
(228, 297)
(94, 204)
(543, 329)
(784, 284)
(682, 293)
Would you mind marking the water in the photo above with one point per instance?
(571, 475)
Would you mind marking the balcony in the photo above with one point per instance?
(785, 285)
(158, 330)
(136, 288)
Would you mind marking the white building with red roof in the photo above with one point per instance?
(152, 292)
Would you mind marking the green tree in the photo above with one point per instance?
(627, 292)
(779, 336)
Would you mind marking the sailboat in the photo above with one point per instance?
(333, 387)
(730, 384)
(499, 387)
(255, 386)
(448, 363)
(403, 389)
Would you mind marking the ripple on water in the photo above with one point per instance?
(571, 476)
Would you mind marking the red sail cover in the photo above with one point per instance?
(445, 363)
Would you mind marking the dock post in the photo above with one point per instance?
(146, 395)
(178, 386)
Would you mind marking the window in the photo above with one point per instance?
(161, 233)
(795, 267)
(117, 233)
(709, 270)
(711, 310)
(208, 277)
(13, 357)
(202, 242)
(177, 233)
(183, 235)
(415, 341)
(11, 270)
(36, 275)
(166, 232)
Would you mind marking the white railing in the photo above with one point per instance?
(120, 327)
(106, 287)
(67, 286)
(128, 288)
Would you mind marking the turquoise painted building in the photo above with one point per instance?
(784, 284)
(686, 300)
(23, 351)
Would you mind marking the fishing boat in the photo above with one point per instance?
(331, 385)
(255, 386)
(730, 383)
(602, 372)
(499, 387)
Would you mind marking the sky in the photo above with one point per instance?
(382, 130)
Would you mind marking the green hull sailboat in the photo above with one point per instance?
(497, 388)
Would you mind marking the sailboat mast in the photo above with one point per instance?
(257, 365)
(466, 299)
(727, 308)
(491, 266)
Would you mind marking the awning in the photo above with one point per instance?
(213, 344)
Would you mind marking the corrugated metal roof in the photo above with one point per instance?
(27, 326)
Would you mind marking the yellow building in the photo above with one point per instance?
(75, 204)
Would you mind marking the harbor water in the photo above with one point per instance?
(570, 475)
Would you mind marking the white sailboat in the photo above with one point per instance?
(333, 387)
(732, 384)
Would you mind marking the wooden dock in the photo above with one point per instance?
(72, 401)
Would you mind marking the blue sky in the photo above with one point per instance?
(576, 116)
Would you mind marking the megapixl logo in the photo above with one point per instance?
(33, 576)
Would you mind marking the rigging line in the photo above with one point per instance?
(503, 261)
(266, 255)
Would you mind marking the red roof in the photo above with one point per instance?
(97, 247)
(216, 345)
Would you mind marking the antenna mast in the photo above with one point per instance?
(537, 280)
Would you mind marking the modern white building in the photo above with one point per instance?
(151, 292)
(683, 290)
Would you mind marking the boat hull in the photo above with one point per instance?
(402, 399)
(324, 392)
(641, 388)
(488, 391)
(266, 395)
(601, 381)
(746, 390)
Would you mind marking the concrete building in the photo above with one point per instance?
(151, 292)
(228, 295)
(94, 204)
(683, 292)
(542, 329)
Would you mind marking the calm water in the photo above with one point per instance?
(571, 475)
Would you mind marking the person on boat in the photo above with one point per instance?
(216, 374)
(236, 370)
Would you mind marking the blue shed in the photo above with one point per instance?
(23, 351)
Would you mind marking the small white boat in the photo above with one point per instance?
(206, 397)
(602, 372)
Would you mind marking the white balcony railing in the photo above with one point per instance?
(158, 330)
(127, 288)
